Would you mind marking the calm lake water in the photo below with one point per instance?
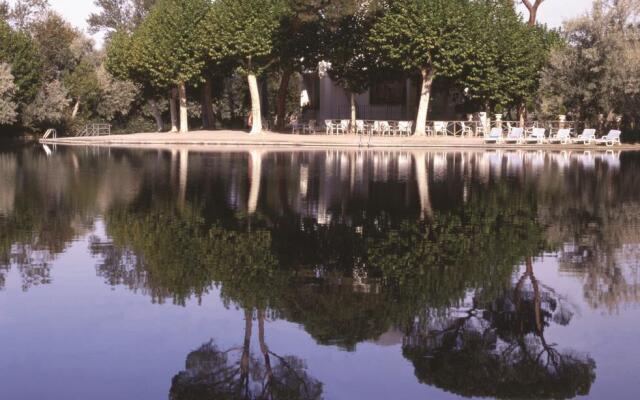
(135, 274)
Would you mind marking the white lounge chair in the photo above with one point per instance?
(611, 138)
(515, 136)
(494, 136)
(563, 136)
(586, 137)
(537, 136)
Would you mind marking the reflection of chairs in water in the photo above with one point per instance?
(439, 166)
(611, 159)
(586, 159)
(404, 166)
(536, 159)
(562, 159)
(495, 160)
(515, 160)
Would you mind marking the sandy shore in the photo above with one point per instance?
(278, 140)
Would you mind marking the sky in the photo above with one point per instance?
(552, 12)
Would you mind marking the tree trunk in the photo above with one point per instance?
(183, 177)
(256, 114)
(155, 111)
(522, 114)
(422, 176)
(255, 180)
(173, 100)
(184, 115)
(246, 346)
(354, 112)
(76, 108)
(533, 10)
(208, 118)
(263, 346)
(423, 108)
(281, 101)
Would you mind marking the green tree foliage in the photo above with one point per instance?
(119, 15)
(168, 42)
(7, 92)
(353, 65)
(430, 37)
(49, 107)
(509, 55)
(83, 85)
(55, 37)
(169, 49)
(21, 54)
(244, 32)
(298, 47)
(597, 72)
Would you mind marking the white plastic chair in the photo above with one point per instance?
(494, 136)
(537, 136)
(515, 136)
(611, 138)
(563, 136)
(586, 137)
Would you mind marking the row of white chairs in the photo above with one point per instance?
(563, 136)
(364, 127)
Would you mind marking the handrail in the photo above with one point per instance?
(95, 130)
(50, 132)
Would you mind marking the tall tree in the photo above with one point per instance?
(348, 48)
(19, 51)
(243, 31)
(426, 36)
(169, 47)
(23, 13)
(298, 45)
(119, 15)
(598, 70)
(503, 72)
(533, 9)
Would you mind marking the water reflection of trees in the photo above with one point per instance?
(237, 373)
(499, 349)
(350, 246)
(47, 202)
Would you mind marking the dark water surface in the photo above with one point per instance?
(328, 274)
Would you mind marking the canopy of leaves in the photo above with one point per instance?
(509, 55)
(597, 72)
(55, 37)
(7, 91)
(244, 31)
(429, 35)
(167, 46)
(21, 54)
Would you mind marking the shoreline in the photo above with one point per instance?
(223, 138)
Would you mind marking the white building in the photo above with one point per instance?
(323, 99)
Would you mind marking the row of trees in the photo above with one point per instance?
(51, 74)
(596, 76)
(482, 44)
(199, 58)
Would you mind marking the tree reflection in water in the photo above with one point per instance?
(236, 373)
(499, 349)
(348, 246)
